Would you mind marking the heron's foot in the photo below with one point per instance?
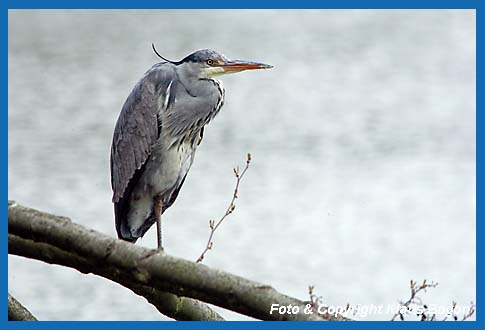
(151, 253)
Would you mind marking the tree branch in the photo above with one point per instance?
(179, 308)
(59, 241)
(17, 312)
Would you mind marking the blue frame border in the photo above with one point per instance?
(254, 4)
(251, 4)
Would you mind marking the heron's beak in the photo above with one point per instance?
(237, 66)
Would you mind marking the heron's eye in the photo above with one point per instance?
(210, 62)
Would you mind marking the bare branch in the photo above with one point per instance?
(232, 206)
(65, 243)
(318, 307)
(17, 312)
(471, 311)
(414, 299)
(178, 308)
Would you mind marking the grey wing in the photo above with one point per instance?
(137, 128)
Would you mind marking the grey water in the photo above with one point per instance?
(362, 138)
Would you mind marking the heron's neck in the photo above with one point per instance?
(193, 83)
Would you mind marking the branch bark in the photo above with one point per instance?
(179, 308)
(17, 312)
(149, 273)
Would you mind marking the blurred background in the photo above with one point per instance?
(362, 136)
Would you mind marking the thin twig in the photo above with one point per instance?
(232, 206)
(315, 301)
(466, 315)
(414, 299)
(471, 311)
(320, 309)
(452, 312)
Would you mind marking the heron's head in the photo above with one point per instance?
(207, 63)
(210, 63)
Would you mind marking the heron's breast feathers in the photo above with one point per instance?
(185, 116)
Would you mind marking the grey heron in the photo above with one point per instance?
(157, 132)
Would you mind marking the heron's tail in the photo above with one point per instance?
(125, 234)
(129, 231)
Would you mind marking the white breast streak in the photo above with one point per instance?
(167, 95)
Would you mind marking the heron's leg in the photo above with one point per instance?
(157, 209)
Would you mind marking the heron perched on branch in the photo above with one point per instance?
(158, 130)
